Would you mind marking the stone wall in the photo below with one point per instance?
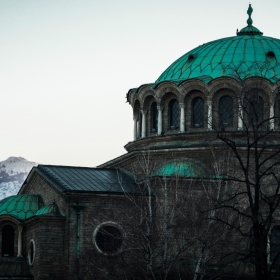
(48, 234)
(38, 185)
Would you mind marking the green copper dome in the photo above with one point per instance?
(181, 168)
(246, 55)
(21, 206)
(49, 210)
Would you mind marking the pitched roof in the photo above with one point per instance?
(85, 179)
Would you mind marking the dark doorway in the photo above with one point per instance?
(8, 236)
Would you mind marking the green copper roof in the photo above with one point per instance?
(21, 206)
(86, 179)
(241, 57)
(49, 210)
(246, 55)
(181, 168)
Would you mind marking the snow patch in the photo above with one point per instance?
(13, 172)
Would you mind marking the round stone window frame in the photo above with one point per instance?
(34, 252)
(113, 224)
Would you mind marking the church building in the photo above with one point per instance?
(161, 211)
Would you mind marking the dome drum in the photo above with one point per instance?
(186, 109)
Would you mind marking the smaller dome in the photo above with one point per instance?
(49, 210)
(182, 168)
(21, 206)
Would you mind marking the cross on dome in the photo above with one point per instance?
(249, 29)
(249, 12)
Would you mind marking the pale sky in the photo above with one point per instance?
(66, 66)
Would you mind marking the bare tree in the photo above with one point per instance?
(253, 175)
(174, 238)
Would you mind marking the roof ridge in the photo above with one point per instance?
(71, 166)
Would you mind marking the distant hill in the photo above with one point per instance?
(13, 172)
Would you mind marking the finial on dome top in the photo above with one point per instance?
(249, 29)
(249, 12)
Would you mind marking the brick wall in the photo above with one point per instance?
(48, 233)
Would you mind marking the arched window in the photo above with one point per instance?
(8, 236)
(226, 111)
(262, 244)
(174, 114)
(154, 117)
(198, 112)
(275, 245)
(256, 109)
(277, 111)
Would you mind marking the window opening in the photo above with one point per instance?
(277, 111)
(256, 109)
(191, 57)
(8, 236)
(270, 55)
(31, 252)
(275, 245)
(226, 111)
(174, 114)
(154, 114)
(109, 239)
(198, 112)
(261, 248)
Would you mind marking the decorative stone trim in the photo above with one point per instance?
(121, 233)
(31, 252)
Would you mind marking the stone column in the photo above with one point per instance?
(271, 115)
(143, 124)
(240, 118)
(182, 118)
(135, 129)
(209, 123)
(159, 108)
(19, 241)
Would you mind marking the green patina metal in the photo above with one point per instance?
(249, 12)
(181, 168)
(49, 210)
(250, 29)
(22, 206)
(79, 209)
(247, 55)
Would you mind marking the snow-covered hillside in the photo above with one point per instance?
(13, 172)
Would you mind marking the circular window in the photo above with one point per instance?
(31, 252)
(108, 238)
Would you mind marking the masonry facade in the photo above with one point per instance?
(161, 210)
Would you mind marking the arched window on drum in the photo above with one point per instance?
(275, 245)
(198, 112)
(174, 116)
(226, 111)
(154, 117)
(261, 246)
(256, 109)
